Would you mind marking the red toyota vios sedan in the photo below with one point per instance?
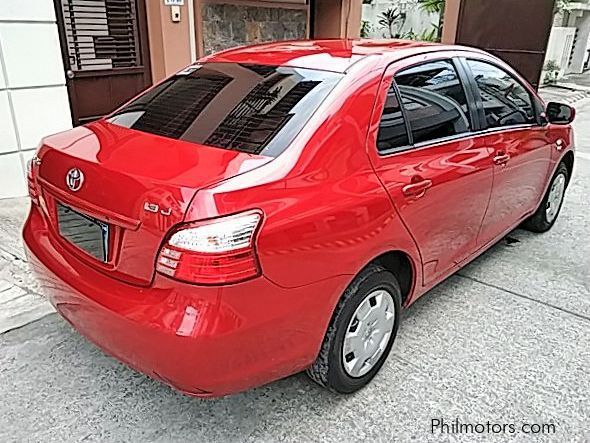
(271, 209)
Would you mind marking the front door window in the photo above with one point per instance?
(505, 101)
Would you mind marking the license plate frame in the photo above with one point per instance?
(84, 232)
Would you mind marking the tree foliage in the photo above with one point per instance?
(432, 6)
(388, 19)
(366, 28)
(560, 5)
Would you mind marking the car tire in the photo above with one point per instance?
(375, 289)
(545, 216)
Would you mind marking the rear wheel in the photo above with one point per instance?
(361, 332)
(546, 215)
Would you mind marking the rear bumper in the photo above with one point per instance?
(204, 341)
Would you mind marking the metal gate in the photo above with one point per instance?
(106, 56)
(514, 30)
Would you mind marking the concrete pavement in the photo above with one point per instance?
(563, 94)
(507, 340)
(20, 301)
(577, 81)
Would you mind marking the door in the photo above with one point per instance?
(106, 54)
(437, 172)
(522, 148)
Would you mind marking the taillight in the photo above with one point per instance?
(217, 251)
(33, 192)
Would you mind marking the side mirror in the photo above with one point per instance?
(560, 114)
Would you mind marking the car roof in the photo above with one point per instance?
(336, 55)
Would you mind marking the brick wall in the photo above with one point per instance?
(226, 25)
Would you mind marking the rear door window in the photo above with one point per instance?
(392, 133)
(255, 109)
(434, 101)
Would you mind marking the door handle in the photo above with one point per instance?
(501, 158)
(417, 189)
(70, 74)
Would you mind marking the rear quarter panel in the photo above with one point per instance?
(326, 213)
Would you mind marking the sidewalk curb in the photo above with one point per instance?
(20, 307)
(560, 86)
(572, 87)
(577, 97)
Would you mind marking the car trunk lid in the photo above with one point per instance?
(137, 183)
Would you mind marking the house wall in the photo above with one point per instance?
(336, 18)
(559, 48)
(226, 25)
(33, 97)
(169, 41)
(579, 18)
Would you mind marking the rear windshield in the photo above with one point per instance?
(248, 108)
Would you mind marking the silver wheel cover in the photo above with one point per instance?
(368, 333)
(555, 198)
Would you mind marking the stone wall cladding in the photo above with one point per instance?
(227, 25)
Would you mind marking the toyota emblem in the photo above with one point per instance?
(74, 179)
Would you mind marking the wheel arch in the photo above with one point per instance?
(402, 266)
(568, 161)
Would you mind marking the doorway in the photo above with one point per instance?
(106, 54)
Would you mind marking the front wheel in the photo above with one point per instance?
(361, 332)
(546, 215)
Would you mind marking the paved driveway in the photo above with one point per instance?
(507, 341)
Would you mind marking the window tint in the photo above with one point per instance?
(392, 129)
(506, 102)
(434, 101)
(249, 108)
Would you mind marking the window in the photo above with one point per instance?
(506, 102)
(247, 108)
(392, 129)
(434, 100)
(101, 34)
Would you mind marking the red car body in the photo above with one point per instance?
(329, 204)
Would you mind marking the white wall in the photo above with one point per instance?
(559, 47)
(33, 97)
(579, 17)
(417, 20)
(580, 52)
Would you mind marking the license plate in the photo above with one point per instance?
(87, 233)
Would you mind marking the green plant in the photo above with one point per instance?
(561, 5)
(552, 65)
(432, 6)
(388, 19)
(551, 69)
(408, 35)
(366, 28)
(429, 35)
(435, 7)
